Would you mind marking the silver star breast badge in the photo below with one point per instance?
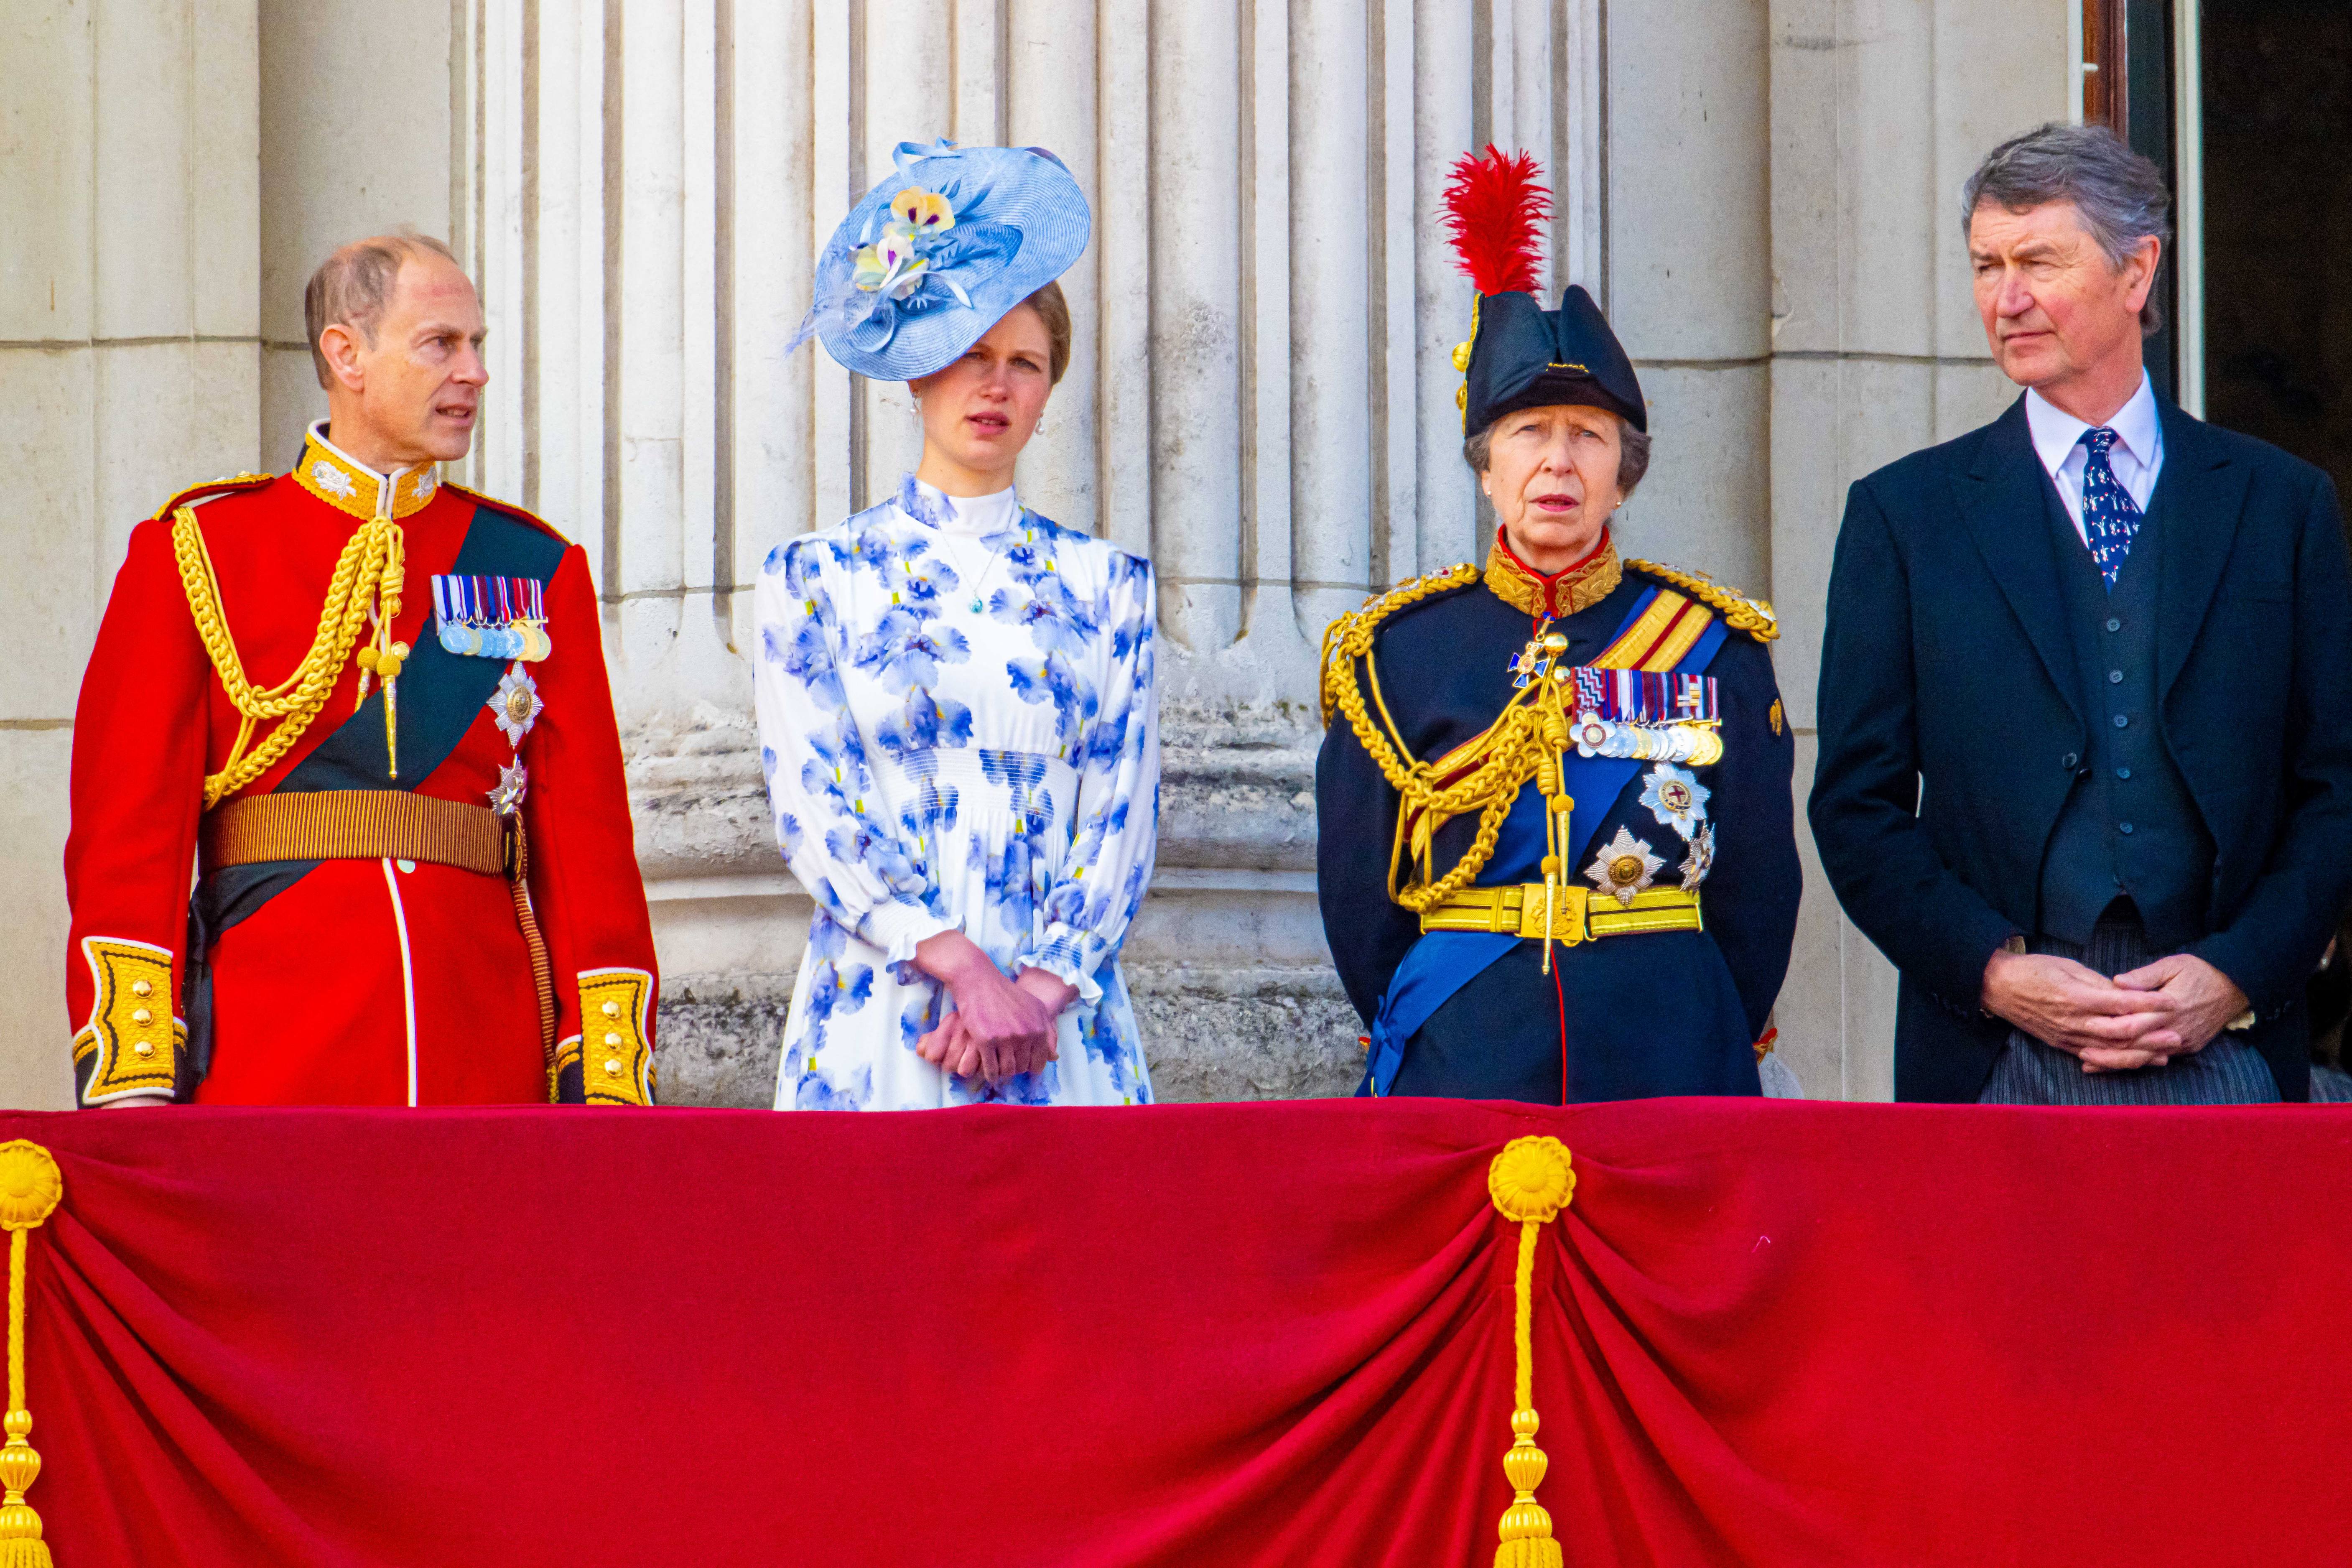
(1701, 859)
(514, 779)
(515, 704)
(1676, 797)
(1624, 867)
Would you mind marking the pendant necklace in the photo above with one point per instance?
(979, 601)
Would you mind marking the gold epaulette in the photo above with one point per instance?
(1350, 636)
(508, 507)
(1740, 611)
(224, 485)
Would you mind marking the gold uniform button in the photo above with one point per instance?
(144, 1047)
(143, 1017)
(612, 1009)
(611, 1039)
(142, 988)
(613, 1069)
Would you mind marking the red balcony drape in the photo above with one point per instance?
(1766, 1333)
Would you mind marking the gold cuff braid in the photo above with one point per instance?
(616, 1060)
(131, 1031)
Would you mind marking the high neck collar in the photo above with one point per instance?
(959, 514)
(1576, 586)
(345, 483)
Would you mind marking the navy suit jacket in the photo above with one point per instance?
(1951, 725)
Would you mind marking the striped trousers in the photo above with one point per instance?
(2227, 1071)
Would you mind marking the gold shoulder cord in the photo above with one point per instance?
(369, 576)
(1525, 742)
(1740, 613)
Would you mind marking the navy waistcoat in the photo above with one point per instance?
(2129, 828)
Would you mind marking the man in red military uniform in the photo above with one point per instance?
(368, 710)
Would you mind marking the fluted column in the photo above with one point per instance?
(903, 65)
(1197, 327)
(1051, 47)
(1332, 387)
(767, 440)
(1444, 103)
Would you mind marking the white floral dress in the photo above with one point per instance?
(959, 731)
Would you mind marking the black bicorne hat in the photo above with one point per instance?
(1524, 356)
(1519, 354)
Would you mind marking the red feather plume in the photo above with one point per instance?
(1495, 210)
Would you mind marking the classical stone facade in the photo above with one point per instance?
(1760, 194)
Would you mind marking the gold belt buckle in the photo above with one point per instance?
(1568, 906)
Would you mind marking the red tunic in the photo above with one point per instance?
(340, 982)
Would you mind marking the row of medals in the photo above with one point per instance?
(1694, 744)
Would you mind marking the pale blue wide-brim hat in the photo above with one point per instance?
(938, 252)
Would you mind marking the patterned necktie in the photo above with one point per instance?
(2110, 516)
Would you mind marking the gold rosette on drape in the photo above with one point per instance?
(30, 1186)
(1530, 1182)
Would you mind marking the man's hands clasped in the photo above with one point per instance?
(1001, 1028)
(2145, 1017)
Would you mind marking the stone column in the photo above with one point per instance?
(1689, 283)
(130, 367)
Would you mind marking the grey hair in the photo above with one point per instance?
(2119, 195)
(1632, 454)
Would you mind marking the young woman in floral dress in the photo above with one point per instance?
(957, 713)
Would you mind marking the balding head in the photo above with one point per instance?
(352, 286)
(396, 334)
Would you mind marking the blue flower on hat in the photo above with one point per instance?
(935, 254)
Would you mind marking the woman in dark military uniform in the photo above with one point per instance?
(1531, 770)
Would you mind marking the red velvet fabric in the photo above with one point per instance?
(1767, 1334)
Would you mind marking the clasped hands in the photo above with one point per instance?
(2145, 1017)
(1001, 1028)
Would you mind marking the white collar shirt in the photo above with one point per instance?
(2137, 455)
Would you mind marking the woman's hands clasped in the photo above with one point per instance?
(1001, 1028)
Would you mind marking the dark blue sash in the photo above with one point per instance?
(1442, 961)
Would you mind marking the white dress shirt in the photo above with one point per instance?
(2137, 458)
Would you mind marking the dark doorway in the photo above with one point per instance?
(2278, 224)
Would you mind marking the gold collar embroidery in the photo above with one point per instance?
(348, 485)
(1578, 588)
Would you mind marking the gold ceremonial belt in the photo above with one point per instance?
(1576, 912)
(356, 824)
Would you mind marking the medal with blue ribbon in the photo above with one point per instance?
(503, 618)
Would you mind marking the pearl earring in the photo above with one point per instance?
(1040, 430)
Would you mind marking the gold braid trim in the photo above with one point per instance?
(369, 575)
(1740, 611)
(1351, 633)
(1525, 742)
(225, 485)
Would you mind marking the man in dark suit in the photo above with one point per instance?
(2085, 731)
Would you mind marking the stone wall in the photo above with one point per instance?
(1759, 191)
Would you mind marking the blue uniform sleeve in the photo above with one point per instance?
(1355, 818)
(1749, 900)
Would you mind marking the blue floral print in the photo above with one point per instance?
(959, 730)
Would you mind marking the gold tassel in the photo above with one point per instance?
(1530, 1182)
(30, 1186)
